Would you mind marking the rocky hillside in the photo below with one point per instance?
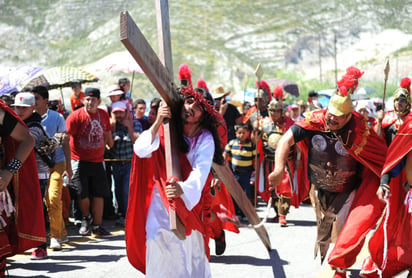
(221, 40)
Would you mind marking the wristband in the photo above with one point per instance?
(14, 165)
(385, 187)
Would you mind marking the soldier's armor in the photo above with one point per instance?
(253, 117)
(271, 135)
(331, 167)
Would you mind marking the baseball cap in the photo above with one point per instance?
(115, 92)
(24, 99)
(294, 106)
(118, 106)
(92, 92)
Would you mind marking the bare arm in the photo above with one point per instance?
(108, 139)
(256, 133)
(281, 156)
(26, 143)
(128, 123)
(163, 113)
(379, 119)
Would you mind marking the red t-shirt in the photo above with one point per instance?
(87, 134)
(76, 102)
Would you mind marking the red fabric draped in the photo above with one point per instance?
(399, 225)
(28, 229)
(389, 118)
(149, 172)
(369, 149)
(249, 113)
(222, 198)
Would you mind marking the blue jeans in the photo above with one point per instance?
(43, 186)
(121, 176)
(244, 180)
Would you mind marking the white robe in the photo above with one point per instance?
(166, 255)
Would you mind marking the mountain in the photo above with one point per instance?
(221, 40)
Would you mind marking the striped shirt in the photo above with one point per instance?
(241, 155)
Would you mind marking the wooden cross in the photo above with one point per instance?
(161, 76)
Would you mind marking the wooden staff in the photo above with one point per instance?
(259, 74)
(387, 68)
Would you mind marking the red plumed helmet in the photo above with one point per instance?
(355, 72)
(278, 92)
(347, 82)
(264, 86)
(406, 84)
(202, 84)
(350, 81)
(185, 74)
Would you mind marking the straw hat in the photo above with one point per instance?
(219, 92)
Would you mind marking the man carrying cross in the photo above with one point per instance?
(148, 236)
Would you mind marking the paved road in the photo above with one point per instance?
(245, 256)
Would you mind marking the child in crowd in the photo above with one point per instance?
(116, 94)
(76, 98)
(240, 152)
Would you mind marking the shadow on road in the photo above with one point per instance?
(231, 259)
(277, 264)
(63, 263)
(274, 261)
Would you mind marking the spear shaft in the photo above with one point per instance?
(387, 68)
(259, 74)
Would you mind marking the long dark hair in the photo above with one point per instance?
(207, 121)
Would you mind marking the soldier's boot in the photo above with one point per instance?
(283, 209)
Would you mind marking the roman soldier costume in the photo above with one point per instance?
(343, 167)
(393, 119)
(253, 112)
(390, 246)
(271, 134)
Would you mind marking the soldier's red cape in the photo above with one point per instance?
(370, 150)
(28, 229)
(145, 174)
(399, 225)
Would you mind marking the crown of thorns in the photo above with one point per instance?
(207, 105)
